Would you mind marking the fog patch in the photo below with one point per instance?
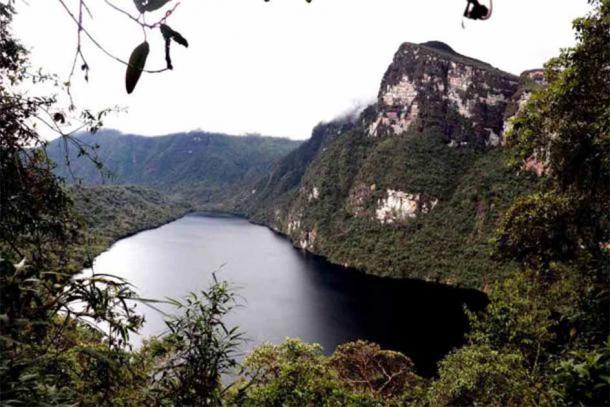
(352, 113)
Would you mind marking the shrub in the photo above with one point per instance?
(478, 374)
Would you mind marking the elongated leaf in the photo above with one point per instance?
(149, 5)
(137, 60)
(153, 5)
(169, 33)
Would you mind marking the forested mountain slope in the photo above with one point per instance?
(111, 212)
(411, 187)
(205, 168)
(414, 186)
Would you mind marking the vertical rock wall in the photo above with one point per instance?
(431, 85)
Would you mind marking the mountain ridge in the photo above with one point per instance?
(414, 186)
(411, 187)
(445, 48)
(201, 167)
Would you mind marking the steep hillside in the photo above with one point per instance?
(428, 87)
(207, 169)
(414, 186)
(115, 211)
(411, 187)
(288, 172)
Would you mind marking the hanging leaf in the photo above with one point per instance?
(168, 58)
(139, 5)
(169, 33)
(137, 60)
(153, 5)
(149, 5)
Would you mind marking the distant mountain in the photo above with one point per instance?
(414, 186)
(205, 168)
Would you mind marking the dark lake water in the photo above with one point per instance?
(287, 293)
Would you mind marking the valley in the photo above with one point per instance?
(411, 187)
(210, 170)
(446, 243)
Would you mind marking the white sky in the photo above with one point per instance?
(278, 68)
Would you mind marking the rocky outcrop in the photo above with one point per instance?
(402, 189)
(400, 206)
(430, 85)
(529, 81)
(302, 237)
(314, 194)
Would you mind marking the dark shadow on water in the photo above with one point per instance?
(288, 293)
(423, 320)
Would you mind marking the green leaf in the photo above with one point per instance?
(137, 60)
(28, 376)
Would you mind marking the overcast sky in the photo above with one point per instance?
(278, 68)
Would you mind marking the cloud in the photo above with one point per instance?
(280, 67)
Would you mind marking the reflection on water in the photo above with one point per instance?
(286, 293)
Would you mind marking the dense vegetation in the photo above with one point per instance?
(209, 170)
(543, 339)
(473, 187)
(327, 194)
(112, 212)
(288, 171)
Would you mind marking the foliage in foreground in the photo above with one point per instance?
(198, 350)
(298, 374)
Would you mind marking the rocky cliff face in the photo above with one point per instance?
(529, 81)
(431, 85)
(414, 186)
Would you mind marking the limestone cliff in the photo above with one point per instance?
(529, 81)
(431, 85)
(413, 186)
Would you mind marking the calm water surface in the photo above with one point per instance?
(286, 293)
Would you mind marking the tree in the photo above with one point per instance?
(562, 231)
(480, 375)
(555, 314)
(385, 375)
(48, 311)
(291, 374)
(566, 127)
(199, 349)
(356, 374)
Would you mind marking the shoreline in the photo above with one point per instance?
(346, 268)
